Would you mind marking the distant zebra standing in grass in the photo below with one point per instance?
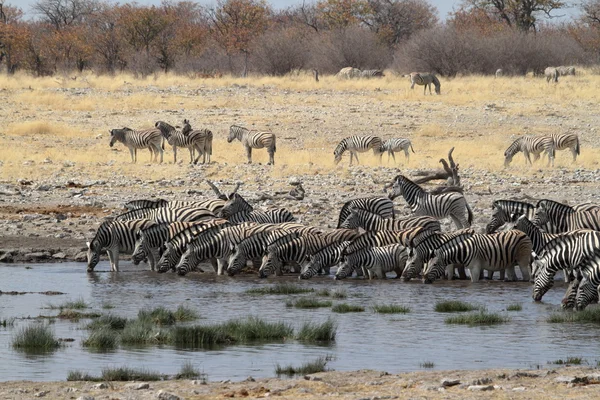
(348, 73)
(397, 144)
(371, 73)
(551, 74)
(177, 138)
(530, 145)
(144, 139)
(563, 141)
(254, 140)
(357, 144)
(499, 73)
(208, 139)
(425, 79)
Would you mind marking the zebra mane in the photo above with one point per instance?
(452, 242)
(436, 81)
(549, 204)
(404, 180)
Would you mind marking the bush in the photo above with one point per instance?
(188, 371)
(390, 309)
(306, 302)
(480, 318)
(109, 321)
(124, 374)
(279, 51)
(102, 339)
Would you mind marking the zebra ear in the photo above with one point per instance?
(88, 244)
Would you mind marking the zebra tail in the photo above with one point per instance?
(163, 143)
(470, 214)
(577, 149)
(274, 144)
(413, 150)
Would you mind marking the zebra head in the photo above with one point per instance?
(500, 217)
(412, 267)
(93, 254)
(168, 259)
(343, 271)
(586, 294)
(270, 264)
(337, 153)
(397, 187)
(542, 283)
(115, 134)
(434, 269)
(569, 300)
(139, 252)
(235, 132)
(165, 129)
(187, 128)
(185, 263)
(352, 221)
(309, 269)
(237, 261)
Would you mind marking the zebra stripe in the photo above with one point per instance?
(538, 238)
(150, 139)
(235, 204)
(214, 205)
(530, 145)
(425, 79)
(371, 73)
(254, 140)
(563, 141)
(382, 238)
(564, 217)
(569, 300)
(176, 138)
(382, 206)
(564, 252)
(276, 216)
(494, 252)
(357, 144)
(208, 139)
(377, 261)
(551, 74)
(589, 284)
(439, 206)
(323, 260)
(167, 214)
(505, 211)
(359, 218)
(397, 144)
(114, 237)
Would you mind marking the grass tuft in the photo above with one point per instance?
(7, 322)
(280, 288)
(318, 332)
(478, 318)
(514, 307)
(142, 332)
(102, 339)
(453, 306)
(569, 361)
(78, 304)
(306, 302)
(108, 321)
(188, 371)
(73, 315)
(339, 294)
(254, 328)
(82, 376)
(346, 308)
(200, 336)
(311, 367)
(427, 364)
(124, 374)
(184, 314)
(588, 315)
(35, 338)
(390, 309)
(159, 316)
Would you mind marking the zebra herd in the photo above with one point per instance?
(362, 144)
(195, 140)
(548, 145)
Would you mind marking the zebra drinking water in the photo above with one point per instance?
(530, 145)
(193, 141)
(439, 206)
(397, 144)
(323, 260)
(588, 289)
(357, 144)
(377, 261)
(254, 140)
(505, 211)
(425, 79)
(380, 205)
(145, 139)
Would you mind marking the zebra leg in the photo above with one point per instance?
(510, 275)
(450, 272)
(131, 152)
(221, 266)
(249, 154)
(191, 150)
(475, 271)
(113, 256)
(462, 275)
(174, 154)
(459, 221)
(527, 157)
(406, 155)
(271, 157)
(356, 157)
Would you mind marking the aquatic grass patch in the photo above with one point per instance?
(124, 374)
(188, 371)
(74, 315)
(307, 302)
(102, 340)
(109, 321)
(588, 315)
(568, 361)
(158, 316)
(390, 309)
(35, 338)
(514, 307)
(317, 332)
(427, 364)
(448, 306)
(477, 318)
(78, 304)
(143, 332)
(310, 367)
(5, 323)
(347, 308)
(107, 306)
(334, 294)
(82, 376)
(254, 328)
(184, 314)
(199, 336)
(280, 288)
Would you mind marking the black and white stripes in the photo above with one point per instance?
(143, 139)
(357, 144)
(254, 140)
(530, 145)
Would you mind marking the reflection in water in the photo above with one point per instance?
(392, 343)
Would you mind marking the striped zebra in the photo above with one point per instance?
(144, 139)
(562, 253)
(382, 238)
(348, 73)
(298, 250)
(589, 281)
(425, 79)
(565, 218)
(382, 206)
(115, 237)
(276, 216)
(506, 211)
(377, 261)
(371, 73)
(563, 141)
(538, 238)
(494, 252)
(421, 249)
(176, 138)
(213, 205)
(357, 144)
(167, 214)
(530, 145)
(439, 206)
(499, 73)
(569, 300)
(208, 139)
(254, 140)
(323, 260)
(397, 144)
(360, 218)
(551, 74)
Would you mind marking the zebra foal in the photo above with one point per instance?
(425, 79)
(397, 144)
(357, 144)
(144, 139)
(530, 145)
(254, 140)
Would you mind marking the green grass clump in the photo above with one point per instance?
(78, 304)
(73, 315)
(346, 308)
(142, 332)
(200, 336)
(35, 338)
(591, 314)
(478, 318)
(109, 321)
(188, 371)
(569, 360)
(107, 306)
(280, 288)
(159, 316)
(82, 376)
(306, 302)
(514, 307)
(311, 367)
(184, 314)
(390, 309)
(123, 374)
(427, 364)
(318, 332)
(102, 339)
(7, 322)
(453, 306)
(254, 328)
(339, 294)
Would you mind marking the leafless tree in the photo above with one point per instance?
(63, 13)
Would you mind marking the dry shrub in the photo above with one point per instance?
(281, 50)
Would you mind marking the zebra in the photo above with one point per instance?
(167, 214)
(114, 237)
(208, 139)
(348, 73)
(194, 140)
(493, 252)
(564, 252)
(420, 250)
(397, 144)
(565, 218)
(425, 79)
(360, 218)
(299, 249)
(451, 204)
(563, 141)
(538, 238)
(177, 246)
(377, 261)
(254, 140)
(530, 144)
(499, 73)
(563, 71)
(213, 205)
(551, 74)
(380, 205)
(505, 211)
(323, 260)
(589, 283)
(382, 238)
(357, 144)
(276, 216)
(144, 139)
(569, 300)
(371, 73)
